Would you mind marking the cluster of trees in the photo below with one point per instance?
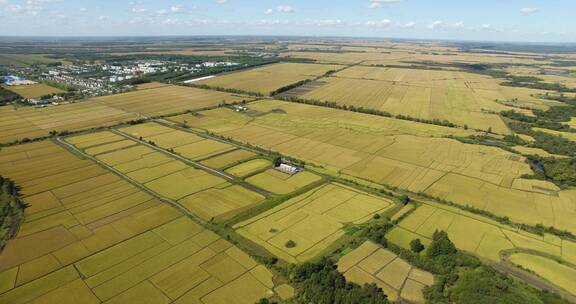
(322, 283)
(11, 210)
(7, 96)
(561, 171)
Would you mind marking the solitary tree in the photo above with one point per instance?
(405, 199)
(277, 161)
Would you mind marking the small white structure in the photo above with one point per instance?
(288, 169)
(199, 79)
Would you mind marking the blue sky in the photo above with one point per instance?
(494, 20)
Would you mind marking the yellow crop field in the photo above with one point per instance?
(91, 238)
(184, 143)
(30, 122)
(208, 196)
(476, 234)
(249, 167)
(269, 78)
(218, 204)
(34, 90)
(559, 274)
(165, 99)
(282, 183)
(459, 97)
(228, 158)
(302, 227)
(371, 264)
(399, 153)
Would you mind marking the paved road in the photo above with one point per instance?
(196, 165)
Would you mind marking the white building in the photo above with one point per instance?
(288, 169)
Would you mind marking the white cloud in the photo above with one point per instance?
(103, 18)
(139, 10)
(380, 3)
(529, 10)
(284, 9)
(327, 22)
(379, 23)
(408, 25)
(83, 9)
(279, 9)
(221, 1)
(435, 25)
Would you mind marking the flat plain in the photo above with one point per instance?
(151, 99)
(405, 154)
(89, 237)
(267, 79)
(463, 98)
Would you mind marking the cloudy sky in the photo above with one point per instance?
(495, 20)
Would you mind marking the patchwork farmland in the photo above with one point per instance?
(398, 153)
(371, 264)
(328, 171)
(90, 236)
(171, 178)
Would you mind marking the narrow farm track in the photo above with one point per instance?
(196, 165)
(71, 148)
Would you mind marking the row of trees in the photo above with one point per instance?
(11, 210)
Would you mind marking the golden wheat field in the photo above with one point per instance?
(267, 79)
(398, 153)
(370, 263)
(311, 221)
(207, 196)
(90, 237)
